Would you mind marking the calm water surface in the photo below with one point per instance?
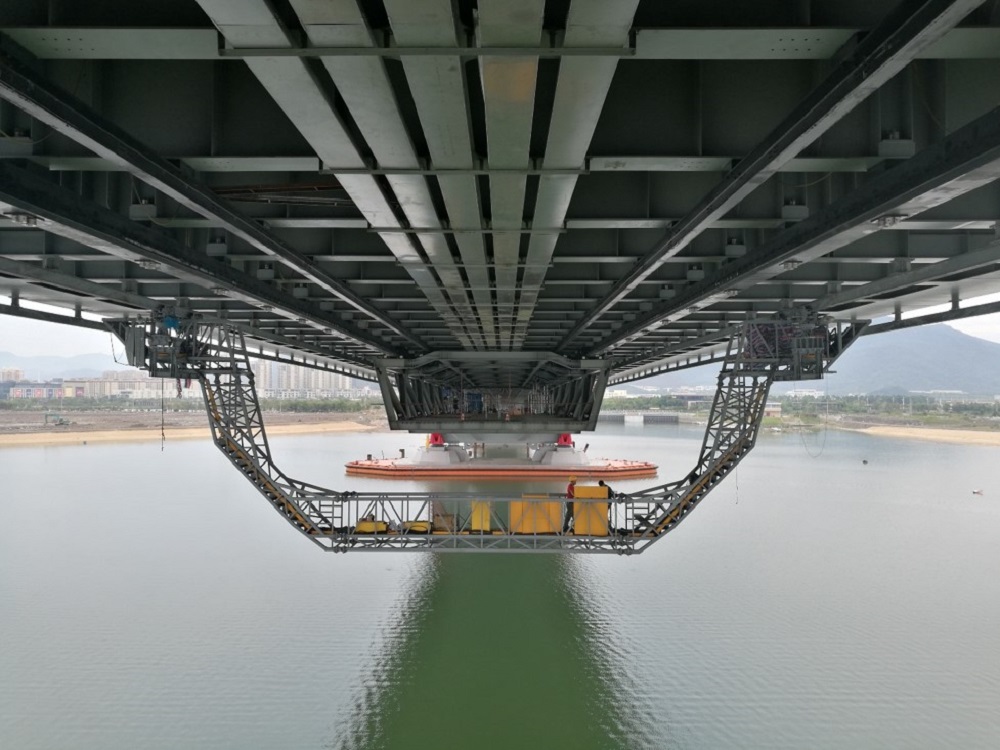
(153, 600)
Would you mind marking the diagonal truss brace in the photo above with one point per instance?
(760, 353)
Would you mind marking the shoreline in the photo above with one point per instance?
(931, 434)
(137, 435)
(85, 437)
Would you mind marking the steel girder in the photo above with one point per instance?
(967, 159)
(300, 92)
(24, 312)
(909, 28)
(25, 88)
(70, 216)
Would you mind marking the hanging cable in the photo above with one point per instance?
(163, 410)
(826, 427)
(114, 354)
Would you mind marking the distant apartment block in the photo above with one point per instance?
(285, 381)
(124, 384)
(273, 380)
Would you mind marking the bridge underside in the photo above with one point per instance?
(510, 205)
(494, 210)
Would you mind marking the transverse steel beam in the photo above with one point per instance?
(29, 91)
(66, 214)
(908, 29)
(967, 159)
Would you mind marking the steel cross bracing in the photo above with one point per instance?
(214, 353)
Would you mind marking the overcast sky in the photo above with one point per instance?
(32, 338)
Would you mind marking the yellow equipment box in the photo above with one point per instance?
(590, 519)
(415, 527)
(590, 492)
(538, 517)
(371, 527)
(479, 516)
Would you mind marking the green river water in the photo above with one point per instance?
(152, 600)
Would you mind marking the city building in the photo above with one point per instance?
(287, 381)
(273, 379)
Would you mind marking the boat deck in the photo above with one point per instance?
(501, 468)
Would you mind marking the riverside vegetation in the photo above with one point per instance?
(848, 411)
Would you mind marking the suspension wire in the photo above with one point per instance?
(163, 410)
(807, 184)
(114, 354)
(826, 427)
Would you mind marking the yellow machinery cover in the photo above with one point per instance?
(590, 519)
(479, 517)
(591, 492)
(537, 517)
(416, 527)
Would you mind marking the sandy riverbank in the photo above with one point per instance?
(962, 437)
(70, 437)
(27, 428)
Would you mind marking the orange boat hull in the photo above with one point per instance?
(393, 469)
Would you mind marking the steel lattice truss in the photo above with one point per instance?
(215, 354)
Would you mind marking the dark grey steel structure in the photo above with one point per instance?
(524, 196)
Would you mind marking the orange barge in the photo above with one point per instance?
(397, 468)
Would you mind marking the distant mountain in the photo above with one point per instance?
(915, 359)
(919, 359)
(49, 367)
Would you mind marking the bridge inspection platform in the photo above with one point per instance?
(497, 208)
(591, 521)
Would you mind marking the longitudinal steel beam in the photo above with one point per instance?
(439, 89)
(979, 260)
(967, 159)
(508, 100)
(364, 87)
(580, 95)
(76, 286)
(26, 312)
(66, 214)
(959, 313)
(908, 29)
(38, 97)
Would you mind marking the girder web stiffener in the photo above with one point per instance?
(214, 353)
